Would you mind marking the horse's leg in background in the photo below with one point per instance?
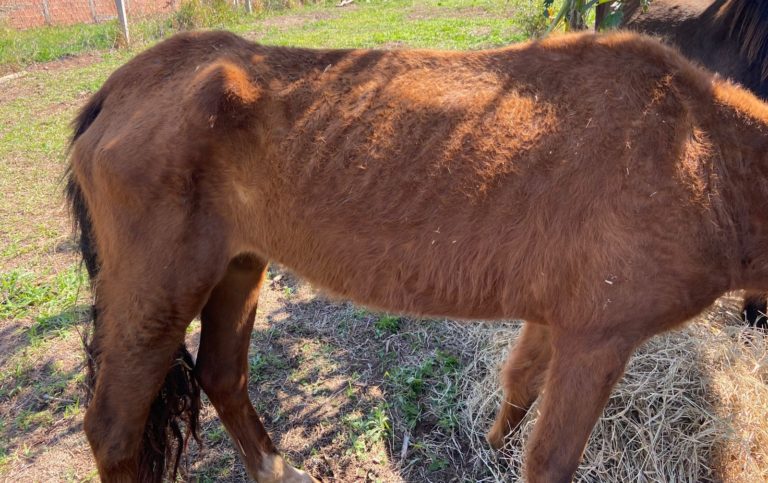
(521, 377)
(583, 370)
(755, 309)
(145, 304)
(222, 368)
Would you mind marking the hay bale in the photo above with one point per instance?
(692, 406)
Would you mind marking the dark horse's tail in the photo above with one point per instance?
(175, 411)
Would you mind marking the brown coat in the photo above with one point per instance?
(600, 187)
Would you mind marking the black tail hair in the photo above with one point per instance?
(174, 415)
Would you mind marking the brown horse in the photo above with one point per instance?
(475, 185)
(729, 37)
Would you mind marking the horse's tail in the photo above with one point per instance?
(747, 22)
(174, 414)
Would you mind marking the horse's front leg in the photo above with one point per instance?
(222, 369)
(583, 370)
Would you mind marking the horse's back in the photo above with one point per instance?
(468, 184)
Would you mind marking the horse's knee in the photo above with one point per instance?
(220, 386)
(114, 447)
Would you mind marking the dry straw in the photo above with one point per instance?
(692, 406)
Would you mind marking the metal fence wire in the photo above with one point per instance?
(25, 14)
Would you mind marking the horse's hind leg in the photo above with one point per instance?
(583, 370)
(222, 368)
(522, 377)
(145, 302)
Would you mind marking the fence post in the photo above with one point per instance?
(46, 12)
(248, 6)
(92, 6)
(120, 4)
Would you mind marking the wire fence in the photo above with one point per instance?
(25, 14)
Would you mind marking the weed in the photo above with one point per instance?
(262, 366)
(72, 409)
(5, 459)
(365, 432)
(437, 464)
(386, 324)
(29, 419)
(21, 294)
(216, 433)
(409, 383)
(350, 389)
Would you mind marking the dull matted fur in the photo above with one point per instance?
(600, 187)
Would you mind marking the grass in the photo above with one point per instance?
(22, 294)
(429, 386)
(48, 43)
(387, 324)
(393, 23)
(375, 23)
(44, 44)
(366, 431)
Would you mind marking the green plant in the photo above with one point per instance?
(575, 14)
(262, 366)
(386, 324)
(52, 301)
(368, 431)
(194, 14)
(437, 373)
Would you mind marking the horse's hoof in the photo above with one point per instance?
(302, 477)
(276, 470)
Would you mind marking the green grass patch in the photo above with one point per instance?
(264, 367)
(21, 294)
(26, 420)
(408, 24)
(386, 324)
(217, 469)
(434, 24)
(366, 431)
(429, 387)
(20, 47)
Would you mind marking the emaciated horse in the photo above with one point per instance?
(474, 185)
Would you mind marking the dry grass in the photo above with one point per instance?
(692, 406)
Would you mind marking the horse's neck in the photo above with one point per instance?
(745, 180)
